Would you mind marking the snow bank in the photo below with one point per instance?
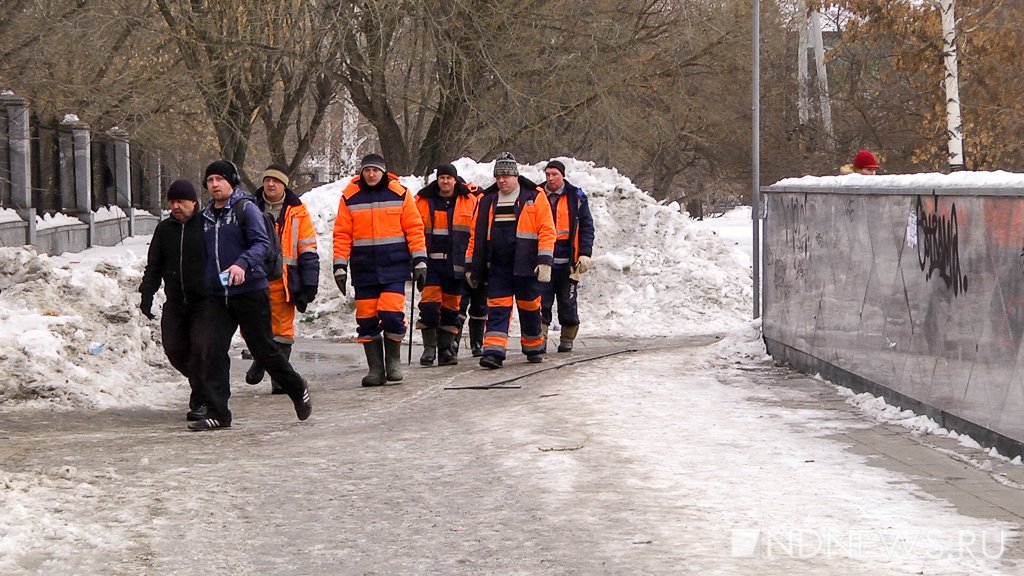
(72, 335)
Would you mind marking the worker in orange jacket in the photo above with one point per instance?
(378, 238)
(512, 250)
(447, 207)
(297, 287)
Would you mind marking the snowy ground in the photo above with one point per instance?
(674, 459)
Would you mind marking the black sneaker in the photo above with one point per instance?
(208, 424)
(303, 407)
(198, 413)
(489, 361)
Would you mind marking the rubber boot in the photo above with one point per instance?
(429, 347)
(286, 351)
(477, 326)
(544, 334)
(568, 335)
(255, 373)
(455, 343)
(375, 360)
(445, 357)
(393, 361)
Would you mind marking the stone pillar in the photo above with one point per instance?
(20, 159)
(82, 140)
(123, 175)
(152, 203)
(66, 162)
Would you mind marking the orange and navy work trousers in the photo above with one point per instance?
(282, 314)
(441, 299)
(502, 287)
(380, 308)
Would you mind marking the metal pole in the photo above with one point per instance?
(755, 204)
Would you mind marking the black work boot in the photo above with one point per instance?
(445, 357)
(255, 373)
(489, 361)
(429, 347)
(286, 351)
(477, 326)
(393, 361)
(375, 360)
(568, 335)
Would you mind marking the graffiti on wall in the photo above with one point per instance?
(938, 244)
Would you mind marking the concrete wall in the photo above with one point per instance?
(913, 294)
(59, 239)
(13, 233)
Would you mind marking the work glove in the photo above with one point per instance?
(305, 296)
(543, 272)
(341, 279)
(583, 264)
(469, 280)
(147, 306)
(419, 275)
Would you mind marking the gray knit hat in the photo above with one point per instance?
(506, 165)
(373, 161)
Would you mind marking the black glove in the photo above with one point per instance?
(341, 279)
(419, 275)
(305, 296)
(147, 306)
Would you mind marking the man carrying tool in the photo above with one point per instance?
(378, 236)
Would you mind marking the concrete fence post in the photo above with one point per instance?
(123, 175)
(20, 160)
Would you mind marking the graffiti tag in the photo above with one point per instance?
(938, 248)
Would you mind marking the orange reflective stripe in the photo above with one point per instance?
(501, 301)
(366, 308)
(450, 301)
(529, 305)
(431, 294)
(495, 342)
(391, 302)
(532, 342)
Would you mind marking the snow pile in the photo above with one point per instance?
(72, 334)
(656, 272)
(877, 408)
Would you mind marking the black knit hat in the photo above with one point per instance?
(223, 168)
(506, 165)
(557, 165)
(447, 170)
(373, 161)
(182, 190)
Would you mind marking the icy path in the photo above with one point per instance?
(668, 461)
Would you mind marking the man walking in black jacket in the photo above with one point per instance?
(177, 257)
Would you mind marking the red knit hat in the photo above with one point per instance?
(865, 159)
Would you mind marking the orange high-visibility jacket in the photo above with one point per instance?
(378, 234)
(535, 231)
(298, 243)
(448, 241)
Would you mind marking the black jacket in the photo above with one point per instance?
(177, 257)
